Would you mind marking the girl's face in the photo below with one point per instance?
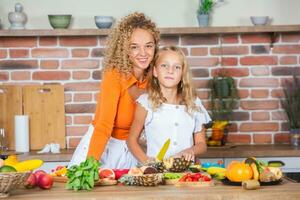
(141, 49)
(168, 69)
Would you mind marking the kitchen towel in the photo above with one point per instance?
(21, 133)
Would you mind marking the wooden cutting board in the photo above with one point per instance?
(100, 182)
(10, 105)
(45, 107)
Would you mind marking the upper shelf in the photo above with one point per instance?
(164, 31)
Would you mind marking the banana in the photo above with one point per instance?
(216, 170)
(28, 165)
(255, 171)
(11, 160)
(219, 125)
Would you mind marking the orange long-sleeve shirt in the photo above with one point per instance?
(115, 111)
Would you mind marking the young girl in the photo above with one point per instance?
(171, 109)
(131, 49)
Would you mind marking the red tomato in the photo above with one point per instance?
(197, 176)
(189, 179)
(206, 178)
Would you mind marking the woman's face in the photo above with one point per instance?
(141, 49)
(168, 69)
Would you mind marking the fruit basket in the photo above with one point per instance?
(10, 181)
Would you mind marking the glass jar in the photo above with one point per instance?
(295, 137)
(3, 140)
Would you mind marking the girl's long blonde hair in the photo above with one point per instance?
(117, 53)
(185, 89)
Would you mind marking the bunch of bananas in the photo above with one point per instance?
(27, 165)
(220, 125)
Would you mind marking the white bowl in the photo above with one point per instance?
(259, 20)
(104, 21)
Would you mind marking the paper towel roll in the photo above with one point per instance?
(21, 133)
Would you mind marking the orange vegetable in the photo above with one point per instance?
(238, 171)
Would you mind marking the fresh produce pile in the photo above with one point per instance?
(252, 169)
(175, 171)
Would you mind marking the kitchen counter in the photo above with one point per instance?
(228, 151)
(287, 190)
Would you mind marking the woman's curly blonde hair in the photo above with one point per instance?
(117, 53)
(185, 90)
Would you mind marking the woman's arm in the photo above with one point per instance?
(135, 132)
(105, 113)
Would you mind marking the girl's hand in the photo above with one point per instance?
(149, 160)
(188, 154)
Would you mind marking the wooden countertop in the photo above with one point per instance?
(164, 31)
(228, 151)
(285, 191)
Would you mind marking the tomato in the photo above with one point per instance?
(206, 178)
(197, 176)
(189, 179)
(238, 171)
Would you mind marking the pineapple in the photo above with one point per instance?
(144, 180)
(176, 164)
(156, 164)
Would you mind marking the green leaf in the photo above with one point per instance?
(78, 173)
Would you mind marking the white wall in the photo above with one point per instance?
(166, 13)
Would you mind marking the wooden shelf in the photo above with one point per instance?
(164, 31)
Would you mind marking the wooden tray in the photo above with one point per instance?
(171, 181)
(228, 182)
(196, 184)
(101, 182)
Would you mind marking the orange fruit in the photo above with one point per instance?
(106, 173)
(238, 171)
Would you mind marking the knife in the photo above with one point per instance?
(161, 154)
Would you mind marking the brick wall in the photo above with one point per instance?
(75, 62)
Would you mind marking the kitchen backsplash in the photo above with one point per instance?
(75, 62)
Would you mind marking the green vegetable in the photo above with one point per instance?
(172, 175)
(83, 177)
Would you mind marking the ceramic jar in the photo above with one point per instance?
(18, 18)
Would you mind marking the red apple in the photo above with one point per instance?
(45, 181)
(31, 181)
(37, 173)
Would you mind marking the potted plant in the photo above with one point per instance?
(223, 100)
(291, 105)
(223, 97)
(204, 10)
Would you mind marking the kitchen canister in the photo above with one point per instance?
(21, 133)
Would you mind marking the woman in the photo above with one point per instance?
(131, 49)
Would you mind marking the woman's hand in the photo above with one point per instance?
(188, 154)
